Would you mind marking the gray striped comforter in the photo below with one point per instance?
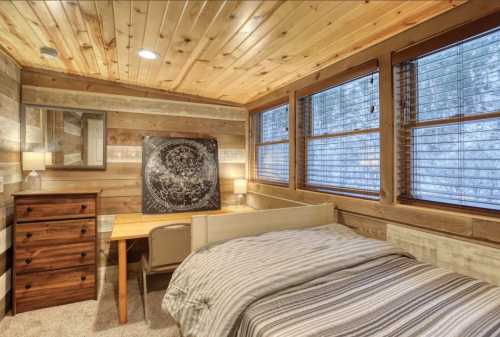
(324, 282)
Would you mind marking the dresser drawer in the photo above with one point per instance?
(54, 232)
(54, 207)
(44, 289)
(43, 258)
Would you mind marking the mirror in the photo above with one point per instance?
(70, 138)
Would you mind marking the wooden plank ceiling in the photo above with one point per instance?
(228, 50)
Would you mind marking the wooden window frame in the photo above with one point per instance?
(302, 136)
(254, 144)
(404, 171)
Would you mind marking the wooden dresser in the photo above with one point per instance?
(55, 249)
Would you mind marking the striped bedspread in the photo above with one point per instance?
(324, 282)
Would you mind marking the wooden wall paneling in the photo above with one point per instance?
(10, 168)
(57, 80)
(368, 226)
(121, 183)
(94, 101)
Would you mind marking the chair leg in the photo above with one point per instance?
(145, 290)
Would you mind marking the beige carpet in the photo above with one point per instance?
(97, 318)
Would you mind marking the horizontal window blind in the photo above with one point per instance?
(271, 144)
(449, 124)
(340, 138)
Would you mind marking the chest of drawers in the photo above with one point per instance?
(55, 249)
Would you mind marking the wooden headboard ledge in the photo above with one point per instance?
(206, 229)
(476, 259)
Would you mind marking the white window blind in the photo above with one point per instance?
(271, 141)
(449, 124)
(341, 138)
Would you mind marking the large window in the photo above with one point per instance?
(340, 143)
(271, 144)
(449, 104)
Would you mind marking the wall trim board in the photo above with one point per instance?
(144, 105)
(53, 79)
(465, 225)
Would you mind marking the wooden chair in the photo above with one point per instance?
(168, 246)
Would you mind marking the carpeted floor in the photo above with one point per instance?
(97, 318)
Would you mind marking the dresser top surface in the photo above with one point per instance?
(54, 192)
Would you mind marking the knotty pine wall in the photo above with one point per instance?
(121, 183)
(10, 167)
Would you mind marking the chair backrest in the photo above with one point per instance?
(169, 244)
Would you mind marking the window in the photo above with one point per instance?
(340, 138)
(449, 115)
(271, 144)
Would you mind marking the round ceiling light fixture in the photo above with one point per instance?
(148, 54)
(48, 52)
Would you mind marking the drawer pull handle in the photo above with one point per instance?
(83, 207)
(83, 254)
(29, 235)
(27, 286)
(83, 278)
(28, 260)
(83, 231)
(29, 209)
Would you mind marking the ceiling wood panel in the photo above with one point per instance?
(221, 49)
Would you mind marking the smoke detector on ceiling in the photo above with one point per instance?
(48, 52)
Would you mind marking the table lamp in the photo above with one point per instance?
(33, 161)
(240, 188)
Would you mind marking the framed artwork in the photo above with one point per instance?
(180, 175)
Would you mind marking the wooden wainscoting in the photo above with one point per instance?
(10, 168)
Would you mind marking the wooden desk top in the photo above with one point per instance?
(138, 225)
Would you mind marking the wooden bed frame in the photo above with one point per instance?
(206, 229)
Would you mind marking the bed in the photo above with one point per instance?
(295, 272)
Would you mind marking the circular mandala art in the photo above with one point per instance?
(180, 175)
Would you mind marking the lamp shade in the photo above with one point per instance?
(240, 186)
(33, 161)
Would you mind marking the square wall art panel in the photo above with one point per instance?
(180, 175)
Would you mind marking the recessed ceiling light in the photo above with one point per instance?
(148, 54)
(48, 52)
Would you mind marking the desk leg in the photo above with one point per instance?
(122, 281)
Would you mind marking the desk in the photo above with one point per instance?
(138, 225)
